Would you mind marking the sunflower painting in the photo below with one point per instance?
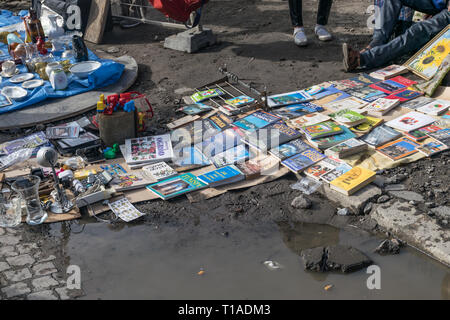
(427, 61)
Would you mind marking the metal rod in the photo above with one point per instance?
(154, 22)
(235, 88)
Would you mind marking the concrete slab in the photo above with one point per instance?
(355, 202)
(420, 231)
(191, 41)
(58, 109)
(407, 195)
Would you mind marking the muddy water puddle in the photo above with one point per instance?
(147, 262)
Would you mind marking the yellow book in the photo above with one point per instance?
(353, 180)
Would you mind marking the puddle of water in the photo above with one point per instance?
(142, 262)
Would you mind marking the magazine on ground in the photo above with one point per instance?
(148, 149)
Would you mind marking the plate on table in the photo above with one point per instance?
(21, 77)
(31, 84)
(15, 93)
(83, 69)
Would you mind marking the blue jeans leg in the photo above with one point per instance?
(411, 41)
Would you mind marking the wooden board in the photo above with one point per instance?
(58, 109)
(98, 15)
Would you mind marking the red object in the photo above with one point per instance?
(41, 46)
(179, 10)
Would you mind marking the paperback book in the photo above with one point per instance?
(159, 171)
(131, 181)
(380, 135)
(411, 121)
(435, 108)
(388, 86)
(442, 136)
(148, 149)
(256, 120)
(194, 109)
(309, 120)
(405, 95)
(189, 156)
(239, 101)
(416, 103)
(389, 72)
(422, 133)
(348, 117)
(63, 132)
(176, 186)
(322, 130)
(222, 176)
(352, 103)
(367, 94)
(220, 142)
(271, 136)
(303, 160)
(346, 148)
(335, 173)
(206, 94)
(285, 99)
(371, 122)
(381, 106)
(322, 167)
(289, 149)
(238, 154)
(328, 142)
(353, 180)
(431, 147)
(250, 169)
(398, 149)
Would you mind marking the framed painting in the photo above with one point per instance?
(426, 62)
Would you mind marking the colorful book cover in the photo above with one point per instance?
(220, 121)
(436, 108)
(321, 130)
(367, 94)
(410, 121)
(256, 120)
(347, 117)
(431, 147)
(238, 154)
(249, 169)
(371, 122)
(176, 186)
(398, 149)
(389, 72)
(335, 173)
(220, 142)
(332, 92)
(289, 149)
(327, 142)
(380, 135)
(353, 180)
(388, 86)
(32, 141)
(441, 135)
(346, 104)
(221, 175)
(404, 95)
(364, 79)
(422, 133)
(239, 101)
(346, 147)
(381, 106)
(194, 109)
(309, 120)
(159, 171)
(271, 136)
(303, 160)
(308, 107)
(206, 94)
(148, 149)
(288, 98)
(446, 115)
(288, 113)
(318, 169)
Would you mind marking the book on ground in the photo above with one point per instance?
(416, 103)
(422, 133)
(322, 167)
(285, 99)
(389, 72)
(222, 176)
(176, 186)
(289, 149)
(348, 118)
(271, 136)
(322, 130)
(309, 120)
(405, 95)
(367, 126)
(435, 108)
(346, 148)
(380, 135)
(148, 149)
(398, 149)
(238, 154)
(353, 180)
(303, 160)
(431, 147)
(328, 142)
(335, 173)
(381, 106)
(256, 120)
(441, 135)
(159, 171)
(206, 94)
(411, 121)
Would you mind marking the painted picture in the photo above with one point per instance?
(427, 61)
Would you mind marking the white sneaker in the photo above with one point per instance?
(300, 37)
(322, 33)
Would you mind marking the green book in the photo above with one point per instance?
(323, 129)
(348, 118)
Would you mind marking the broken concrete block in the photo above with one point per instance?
(407, 195)
(191, 41)
(421, 231)
(355, 202)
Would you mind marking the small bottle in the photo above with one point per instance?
(100, 106)
(33, 27)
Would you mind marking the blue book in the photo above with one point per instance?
(289, 149)
(238, 154)
(220, 142)
(176, 186)
(330, 141)
(221, 176)
(189, 156)
(256, 120)
(303, 160)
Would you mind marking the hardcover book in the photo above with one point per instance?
(322, 130)
(435, 108)
(328, 142)
(380, 135)
(411, 121)
(431, 147)
(303, 160)
(289, 149)
(353, 180)
(368, 125)
(176, 186)
(398, 149)
(221, 176)
(346, 148)
(348, 117)
(285, 99)
(381, 106)
(389, 72)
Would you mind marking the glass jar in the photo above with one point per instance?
(28, 189)
(10, 213)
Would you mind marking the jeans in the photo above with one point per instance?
(295, 8)
(411, 41)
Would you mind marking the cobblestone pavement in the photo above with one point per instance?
(29, 271)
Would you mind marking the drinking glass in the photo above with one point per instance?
(28, 189)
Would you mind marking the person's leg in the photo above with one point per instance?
(322, 19)
(412, 40)
(295, 9)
